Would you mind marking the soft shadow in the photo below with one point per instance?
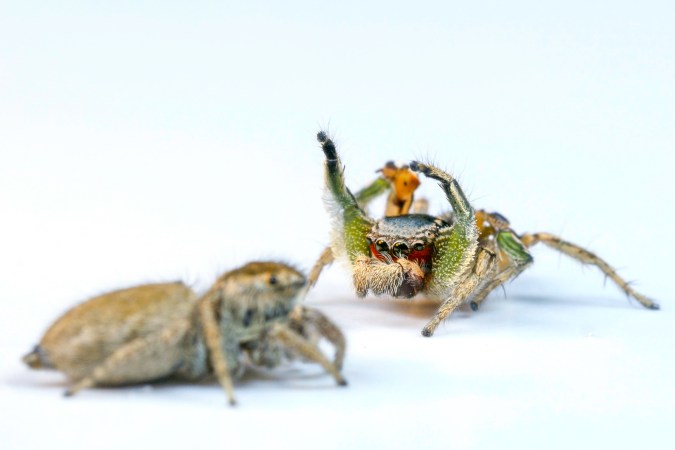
(548, 299)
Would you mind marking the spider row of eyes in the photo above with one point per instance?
(398, 248)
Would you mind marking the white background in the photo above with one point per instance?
(147, 141)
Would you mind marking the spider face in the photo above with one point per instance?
(259, 293)
(408, 237)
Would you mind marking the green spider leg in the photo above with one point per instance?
(369, 193)
(459, 266)
(350, 221)
(586, 257)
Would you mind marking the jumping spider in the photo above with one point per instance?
(154, 331)
(454, 258)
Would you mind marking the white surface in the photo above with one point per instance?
(150, 141)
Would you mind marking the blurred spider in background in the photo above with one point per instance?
(249, 317)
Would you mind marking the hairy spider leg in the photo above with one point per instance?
(586, 257)
(302, 316)
(352, 224)
(453, 273)
(214, 342)
(297, 343)
(514, 256)
(363, 198)
(325, 259)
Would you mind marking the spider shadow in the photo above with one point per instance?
(499, 308)
(568, 301)
(389, 312)
(44, 379)
(421, 308)
(289, 371)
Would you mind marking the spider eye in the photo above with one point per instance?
(381, 246)
(400, 248)
(273, 280)
(418, 247)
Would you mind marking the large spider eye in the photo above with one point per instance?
(418, 246)
(381, 246)
(400, 249)
(273, 280)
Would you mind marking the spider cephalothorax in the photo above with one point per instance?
(458, 257)
(407, 241)
(410, 237)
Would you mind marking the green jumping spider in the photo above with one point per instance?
(457, 257)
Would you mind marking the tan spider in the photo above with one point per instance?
(144, 333)
(457, 257)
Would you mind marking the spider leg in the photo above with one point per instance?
(214, 344)
(587, 257)
(455, 250)
(324, 326)
(369, 193)
(514, 259)
(143, 359)
(299, 344)
(482, 269)
(363, 198)
(463, 210)
(325, 259)
(350, 223)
